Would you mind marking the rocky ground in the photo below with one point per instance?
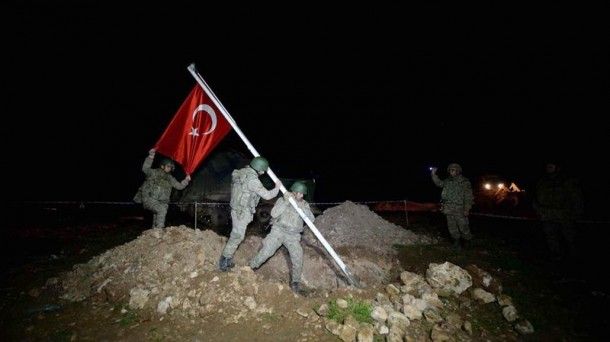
(84, 277)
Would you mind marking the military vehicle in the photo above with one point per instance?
(207, 197)
(493, 195)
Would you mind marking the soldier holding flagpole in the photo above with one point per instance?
(197, 128)
(155, 192)
(246, 192)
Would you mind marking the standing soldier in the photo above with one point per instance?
(155, 192)
(558, 204)
(287, 226)
(456, 202)
(246, 192)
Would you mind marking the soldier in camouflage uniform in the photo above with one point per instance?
(155, 192)
(287, 226)
(456, 200)
(558, 204)
(246, 191)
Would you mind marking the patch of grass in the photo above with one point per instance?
(156, 335)
(129, 317)
(61, 336)
(268, 316)
(379, 338)
(360, 310)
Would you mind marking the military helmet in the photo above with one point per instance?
(455, 167)
(168, 162)
(259, 164)
(299, 187)
(553, 161)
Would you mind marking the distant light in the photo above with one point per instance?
(500, 185)
(487, 186)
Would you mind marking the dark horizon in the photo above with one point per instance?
(367, 106)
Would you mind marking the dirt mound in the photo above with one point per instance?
(163, 284)
(176, 267)
(355, 226)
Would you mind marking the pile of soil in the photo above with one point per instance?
(163, 284)
(171, 262)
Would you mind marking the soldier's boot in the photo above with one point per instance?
(294, 286)
(225, 264)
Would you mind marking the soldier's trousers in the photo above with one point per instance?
(159, 211)
(459, 226)
(274, 240)
(560, 237)
(240, 221)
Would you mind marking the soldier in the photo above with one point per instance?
(456, 202)
(155, 192)
(287, 226)
(246, 191)
(558, 204)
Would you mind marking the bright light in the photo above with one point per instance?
(487, 186)
(500, 185)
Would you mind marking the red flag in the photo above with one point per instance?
(195, 130)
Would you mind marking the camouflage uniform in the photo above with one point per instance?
(286, 230)
(246, 191)
(155, 192)
(457, 200)
(558, 204)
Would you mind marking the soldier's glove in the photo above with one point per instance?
(151, 152)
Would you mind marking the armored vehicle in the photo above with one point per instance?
(207, 197)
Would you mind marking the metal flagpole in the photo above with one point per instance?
(310, 224)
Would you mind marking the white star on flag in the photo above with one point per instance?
(194, 131)
(205, 130)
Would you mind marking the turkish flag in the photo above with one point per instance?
(195, 130)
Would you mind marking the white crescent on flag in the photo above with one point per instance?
(184, 140)
(206, 108)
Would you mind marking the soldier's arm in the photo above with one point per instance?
(179, 185)
(147, 165)
(536, 201)
(575, 195)
(258, 187)
(279, 207)
(437, 181)
(308, 213)
(468, 196)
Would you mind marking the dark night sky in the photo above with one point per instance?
(365, 100)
